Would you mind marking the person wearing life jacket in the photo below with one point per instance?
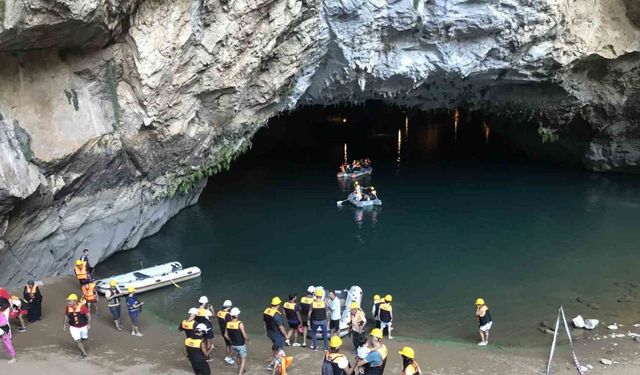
(357, 321)
(17, 312)
(197, 351)
(134, 306)
(78, 319)
(375, 310)
(386, 315)
(292, 311)
(81, 272)
(85, 258)
(5, 335)
(281, 362)
(113, 302)
(409, 364)
(202, 317)
(237, 336)
(224, 317)
(204, 304)
(375, 362)
(90, 295)
(318, 319)
(189, 325)
(305, 307)
(32, 295)
(273, 323)
(484, 320)
(334, 362)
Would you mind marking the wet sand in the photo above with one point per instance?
(46, 349)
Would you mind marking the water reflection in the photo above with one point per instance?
(456, 119)
(346, 154)
(364, 215)
(487, 131)
(399, 150)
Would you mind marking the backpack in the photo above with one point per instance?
(327, 367)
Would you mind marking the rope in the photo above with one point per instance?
(553, 344)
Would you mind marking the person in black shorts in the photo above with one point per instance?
(292, 311)
(305, 306)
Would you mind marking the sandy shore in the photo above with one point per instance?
(46, 349)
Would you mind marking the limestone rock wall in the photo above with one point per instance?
(114, 112)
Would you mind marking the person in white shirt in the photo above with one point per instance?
(334, 306)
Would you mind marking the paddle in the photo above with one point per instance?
(339, 203)
(176, 285)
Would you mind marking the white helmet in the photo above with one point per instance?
(203, 299)
(235, 311)
(311, 289)
(201, 327)
(193, 311)
(227, 303)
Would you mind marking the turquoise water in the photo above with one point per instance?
(463, 216)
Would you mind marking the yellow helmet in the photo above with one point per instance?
(376, 298)
(319, 292)
(78, 262)
(131, 289)
(388, 298)
(479, 301)
(407, 352)
(113, 283)
(377, 333)
(72, 297)
(354, 305)
(335, 342)
(275, 301)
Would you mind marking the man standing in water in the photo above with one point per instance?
(113, 302)
(197, 352)
(237, 336)
(135, 307)
(78, 319)
(334, 306)
(484, 320)
(32, 295)
(223, 318)
(305, 307)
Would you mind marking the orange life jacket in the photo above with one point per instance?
(89, 292)
(32, 291)
(81, 271)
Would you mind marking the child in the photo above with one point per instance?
(17, 312)
(280, 361)
(5, 335)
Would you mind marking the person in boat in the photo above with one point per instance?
(90, 295)
(81, 272)
(375, 310)
(305, 307)
(17, 312)
(273, 323)
(373, 194)
(357, 192)
(318, 319)
(189, 325)
(386, 315)
(135, 308)
(197, 351)
(202, 317)
(85, 258)
(236, 334)
(335, 309)
(334, 362)
(32, 295)
(376, 360)
(223, 318)
(409, 364)
(357, 321)
(484, 320)
(78, 318)
(292, 311)
(5, 335)
(113, 302)
(356, 165)
(342, 168)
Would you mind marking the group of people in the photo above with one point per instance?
(355, 166)
(364, 193)
(77, 315)
(21, 310)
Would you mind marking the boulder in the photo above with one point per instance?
(578, 322)
(591, 324)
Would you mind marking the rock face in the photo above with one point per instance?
(114, 112)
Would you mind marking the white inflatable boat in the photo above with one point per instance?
(355, 174)
(364, 203)
(151, 278)
(346, 297)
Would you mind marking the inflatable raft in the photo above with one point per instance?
(346, 297)
(359, 173)
(146, 279)
(352, 199)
